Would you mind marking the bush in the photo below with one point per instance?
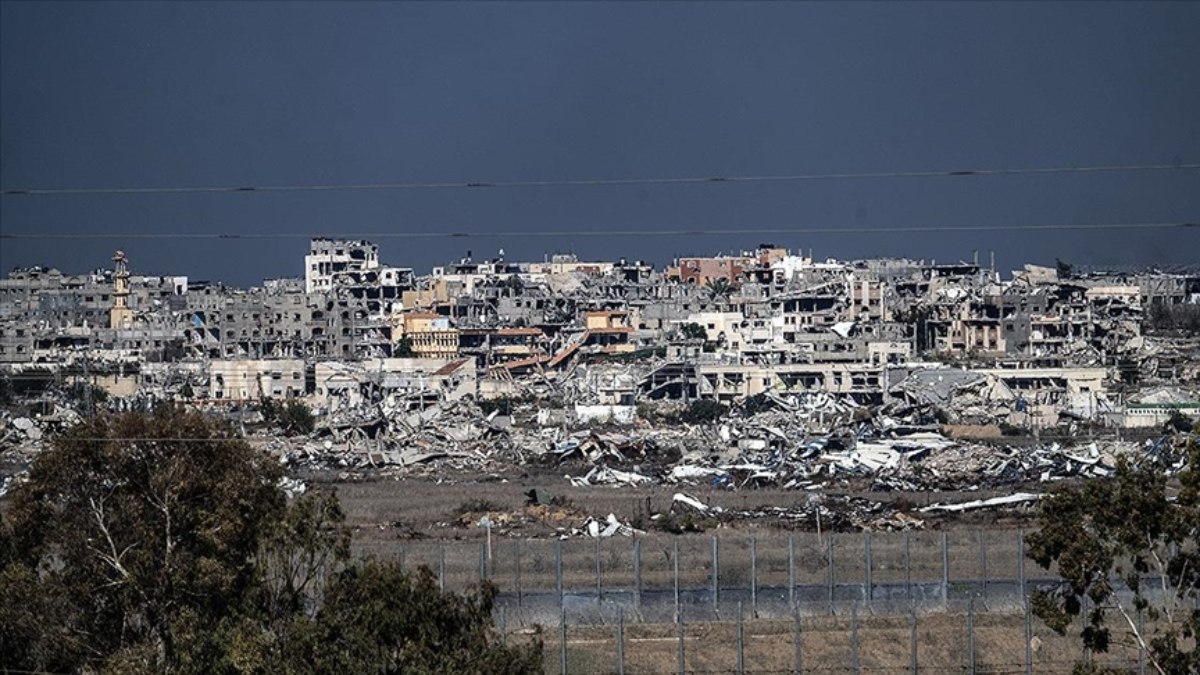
(297, 418)
(756, 404)
(1007, 429)
(477, 506)
(682, 523)
(294, 417)
(404, 348)
(703, 411)
(1178, 422)
(503, 404)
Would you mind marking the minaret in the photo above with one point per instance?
(120, 316)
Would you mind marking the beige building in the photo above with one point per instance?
(429, 335)
(341, 385)
(252, 379)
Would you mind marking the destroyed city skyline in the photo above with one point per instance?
(147, 96)
(495, 337)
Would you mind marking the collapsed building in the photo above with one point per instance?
(1047, 348)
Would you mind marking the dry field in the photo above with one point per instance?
(421, 522)
(827, 646)
(386, 509)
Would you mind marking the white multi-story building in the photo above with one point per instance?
(329, 259)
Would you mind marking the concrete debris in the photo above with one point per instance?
(769, 369)
(819, 512)
(293, 487)
(603, 529)
(1019, 498)
(603, 475)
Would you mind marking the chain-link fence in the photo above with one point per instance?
(863, 602)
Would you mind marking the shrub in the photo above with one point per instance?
(703, 411)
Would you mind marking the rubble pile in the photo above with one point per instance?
(818, 512)
(807, 442)
(25, 432)
(443, 436)
(825, 443)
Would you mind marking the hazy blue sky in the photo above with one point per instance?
(176, 94)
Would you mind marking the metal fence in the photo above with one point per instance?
(584, 596)
(655, 578)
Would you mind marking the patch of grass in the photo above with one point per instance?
(477, 506)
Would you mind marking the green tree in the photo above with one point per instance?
(1065, 269)
(404, 348)
(377, 618)
(297, 418)
(269, 409)
(693, 331)
(703, 410)
(753, 405)
(161, 543)
(137, 542)
(718, 288)
(514, 282)
(294, 417)
(1125, 529)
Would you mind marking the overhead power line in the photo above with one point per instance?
(451, 234)
(599, 182)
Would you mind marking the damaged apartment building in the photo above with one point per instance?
(725, 327)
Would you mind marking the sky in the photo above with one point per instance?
(115, 95)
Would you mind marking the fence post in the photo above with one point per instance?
(401, 556)
(753, 576)
(442, 567)
(1028, 638)
(971, 636)
(1021, 563)
(868, 587)
(854, 638)
(798, 643)
(562, 648)
(791, 570)
(1084, 610)
(517, 573)
(482, 562)
(983, 573)
(558, 579)
(637, 574)
(682, 656)
(716, 590)
(675, 561)
(621, 643)
(599, 587)
(912, 639)
(741, 642)
(503, 624)
(945, 571)
(829, 554)
(1141, 629)
(907, 568)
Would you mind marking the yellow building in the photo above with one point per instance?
(440, 292)
(602, 320)
(429, 335)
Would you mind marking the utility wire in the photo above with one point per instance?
(451, 234)
(596, 182)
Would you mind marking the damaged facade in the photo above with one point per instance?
(879, 368)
